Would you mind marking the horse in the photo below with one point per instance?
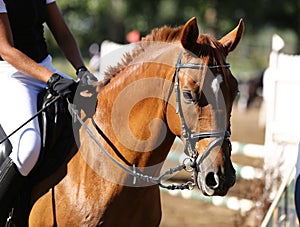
(176, 82)
(250, 90)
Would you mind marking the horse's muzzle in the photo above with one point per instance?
(212, 182)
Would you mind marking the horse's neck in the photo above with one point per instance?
(130, 108)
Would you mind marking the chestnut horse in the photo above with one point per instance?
(176, 82)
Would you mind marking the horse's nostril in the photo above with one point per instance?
(211, 180)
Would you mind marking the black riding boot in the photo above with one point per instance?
(11, 182)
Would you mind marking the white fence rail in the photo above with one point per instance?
(281, 94)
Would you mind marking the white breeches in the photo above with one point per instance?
(18, 100)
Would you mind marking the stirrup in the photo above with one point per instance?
(5, 146)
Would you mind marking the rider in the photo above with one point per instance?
(26, 69)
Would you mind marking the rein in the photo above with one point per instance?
(190, 163)
(131, 170)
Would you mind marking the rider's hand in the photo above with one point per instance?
(86, 78)
(61, 86)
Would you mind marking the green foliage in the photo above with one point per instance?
(96, 20)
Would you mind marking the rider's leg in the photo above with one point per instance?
(18, 108)
(18, 102)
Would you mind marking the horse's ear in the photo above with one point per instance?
(232, 39)
(189, 34)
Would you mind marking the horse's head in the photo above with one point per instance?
(204, 97)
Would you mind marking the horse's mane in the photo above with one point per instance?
(163, 34)
(210, 49)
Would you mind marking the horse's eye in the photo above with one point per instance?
(188, 97)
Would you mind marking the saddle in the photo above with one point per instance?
(57, 136)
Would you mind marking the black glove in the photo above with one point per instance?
(59, 85)
(86, 78)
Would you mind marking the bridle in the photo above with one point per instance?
(188, 136)
(192, 162)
